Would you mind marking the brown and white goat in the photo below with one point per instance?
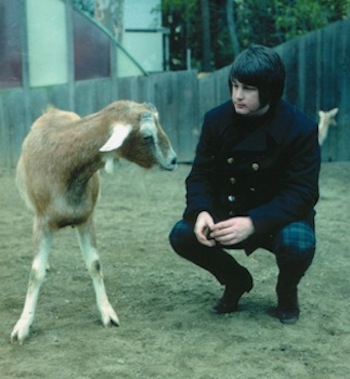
(326, 120)
(57, 175)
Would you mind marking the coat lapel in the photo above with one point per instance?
(258, 139)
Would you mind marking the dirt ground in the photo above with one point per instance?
(163, 302)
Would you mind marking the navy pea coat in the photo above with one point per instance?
(270, 175)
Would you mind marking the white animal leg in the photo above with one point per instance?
(87, 241)
(42, 245)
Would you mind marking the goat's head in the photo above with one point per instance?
(139, 138)
(326, 119)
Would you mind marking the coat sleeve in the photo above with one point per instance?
(298, 192)
(199, 183)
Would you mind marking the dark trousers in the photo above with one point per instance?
(293, 247)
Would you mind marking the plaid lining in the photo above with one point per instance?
(298, 235)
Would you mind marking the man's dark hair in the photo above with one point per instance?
(261, 67)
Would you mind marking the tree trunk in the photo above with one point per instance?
(111, 15)
(119, 20)
(232, 28)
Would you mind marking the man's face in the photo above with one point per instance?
(246, 100)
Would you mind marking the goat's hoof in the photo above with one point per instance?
(110, 318)
(114, 323)
(111, 322)
(19, 333)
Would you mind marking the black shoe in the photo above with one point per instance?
(288, 316)
(287, 310)
(233, 292)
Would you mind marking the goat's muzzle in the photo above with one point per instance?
(170, 164)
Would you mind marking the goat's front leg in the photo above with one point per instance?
(42, 238)
(87, 241)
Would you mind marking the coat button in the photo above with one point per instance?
(232, 180)
(230, 160)
(231, 198)
(252, 189)
(255, 166)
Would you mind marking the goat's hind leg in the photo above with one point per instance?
(42, 238)
(87, 241)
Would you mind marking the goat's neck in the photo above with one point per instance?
(323, 130)
(85, 158)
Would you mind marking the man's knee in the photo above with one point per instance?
(296, 240)
(298, 236)
(181, 236)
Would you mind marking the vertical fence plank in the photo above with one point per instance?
(342, 64)
(5, 152)
(187, 115)
(13, 121)
(176, 97)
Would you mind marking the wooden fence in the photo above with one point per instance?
(174, 94)
(318, 77)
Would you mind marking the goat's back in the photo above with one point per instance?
(40, 149)
(44, 169)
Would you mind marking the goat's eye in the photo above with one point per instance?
(148, 139)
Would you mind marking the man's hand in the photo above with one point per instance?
(202, 228)
(232, 231)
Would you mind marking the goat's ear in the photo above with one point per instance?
(333, 112)
(147, 122)
(151, 107)
(118, 136)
